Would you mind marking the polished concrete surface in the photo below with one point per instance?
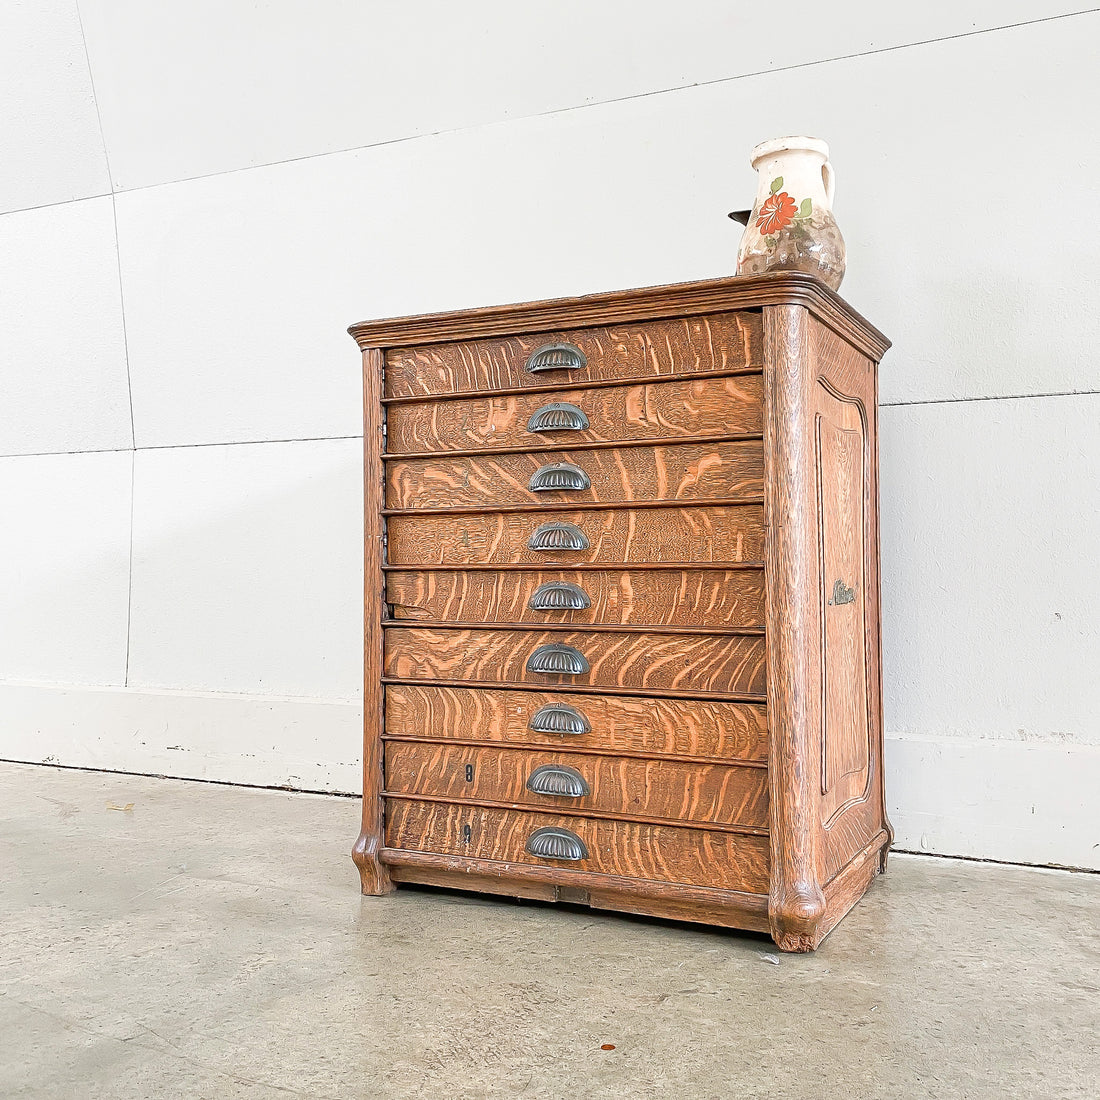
(161, 938)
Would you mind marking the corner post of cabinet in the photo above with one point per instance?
(374, 874)
(796, 902)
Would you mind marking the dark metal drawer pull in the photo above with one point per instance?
(558, 417)
(559, 596)
(558, 658)
(551, 843)
(556, 357)
(557, 779)
(559, 718)
(559, 475)
(558, 536)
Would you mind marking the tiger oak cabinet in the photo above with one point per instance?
(622, 604)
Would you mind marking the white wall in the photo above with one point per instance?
(199, 197)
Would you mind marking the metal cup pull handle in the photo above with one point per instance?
(551, 843)
(558, 475)
(556, 357)
(558, 417)
(558, 536)
(558, 780)
(559, 718)
(559, 596)
(558, 658)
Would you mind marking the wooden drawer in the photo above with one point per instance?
(731, 598)
(696, 536)
(719, 344)
(691, 663)
(666, 853)
(697, 728)
(684, 408)
(684, 472)
(618, 785)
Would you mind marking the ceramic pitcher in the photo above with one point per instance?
(792, 226)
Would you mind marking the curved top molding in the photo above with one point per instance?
(646, 304)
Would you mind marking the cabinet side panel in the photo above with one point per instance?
(851, 808)
(840, 445)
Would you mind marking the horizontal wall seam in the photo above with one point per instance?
(59, 202)
(601, 102)
(992, 397)
(185, 446)
(335, 438)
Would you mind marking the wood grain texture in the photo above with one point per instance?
(853, 806)
(724, 342)
(841, 471)
(732, 598)
(796, 904)
(728, 912)
(694, 857)
(729, 539)
(619, 785)
(699, 663)
(672, 901)
(684, 472)
(687, 408)
(619, 306)
(373, 874)
(511, 887)
(695, 535)
(621, 724)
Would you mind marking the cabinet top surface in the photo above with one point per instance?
(617, 307)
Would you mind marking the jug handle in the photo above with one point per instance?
(828, 177)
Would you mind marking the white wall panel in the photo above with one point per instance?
(62, 352)
(239, 287)
(51, 149)
(188, 89)
(991, 799)
(248, 570)
(991, 595)
(263, 741)
(64, 557)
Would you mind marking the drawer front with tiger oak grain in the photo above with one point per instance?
(664, 853)
(732, 598)
(682, 472)
(696, 663)
(564, 537)
(687, 408)
(701, 728)
(664, 789)
(718, 343)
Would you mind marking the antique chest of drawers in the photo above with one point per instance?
(622, 604)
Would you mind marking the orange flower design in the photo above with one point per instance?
(776, 212)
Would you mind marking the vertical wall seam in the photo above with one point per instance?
(125, 335)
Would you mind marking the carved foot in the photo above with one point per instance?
(796, 942)
(372, 872)
(797, 919)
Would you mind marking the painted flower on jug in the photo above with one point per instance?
(776, 212)
(779, 210)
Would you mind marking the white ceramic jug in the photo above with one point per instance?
(792, 226)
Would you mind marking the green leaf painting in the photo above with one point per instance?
(776, 184)
(806, 209)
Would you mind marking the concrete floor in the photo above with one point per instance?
(165, 938)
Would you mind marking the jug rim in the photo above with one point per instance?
(795, 143)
